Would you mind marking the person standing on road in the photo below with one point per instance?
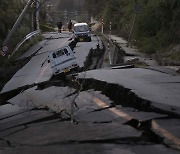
(70, 26)
(59, 25)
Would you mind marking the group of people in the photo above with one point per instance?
(59, 25)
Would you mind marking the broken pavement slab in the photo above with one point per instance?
(10, 110)
(24, 118)
(172, 125)
(169, 130)
(91, 111)
(122, 86)
(54, 98)
(66, 132)
(160, 89)
(140, 115)
(66, 137)
(87, 148)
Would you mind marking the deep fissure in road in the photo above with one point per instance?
(11, 67)
(118, 94)
(93, 60)
(123, 96)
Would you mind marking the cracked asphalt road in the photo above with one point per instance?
(38, 119)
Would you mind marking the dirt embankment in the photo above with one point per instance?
(171, 57)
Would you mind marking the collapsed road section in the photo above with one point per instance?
(89, 55)
(114, 110)
(126, 127)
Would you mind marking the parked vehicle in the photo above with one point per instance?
(63, 60)
(82, 32)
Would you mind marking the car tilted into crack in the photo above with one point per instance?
(63, 61)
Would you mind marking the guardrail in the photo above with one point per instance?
(27, 37)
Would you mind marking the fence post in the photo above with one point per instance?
(110, 28)
(110, 61)
(102, 27)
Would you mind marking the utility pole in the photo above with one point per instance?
(65, 16)
(131, 29)
(102, 26)
(110, 29)
(76, 14)
(109, 53)
(14, 28)
(137, 9)
(37, 15)
(48, 17)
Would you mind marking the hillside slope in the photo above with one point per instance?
(69, 5)
(156, 28)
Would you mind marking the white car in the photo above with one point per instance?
(82, 32)
(63, 60)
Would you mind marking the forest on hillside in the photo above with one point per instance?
(157, 22)
(10, 9)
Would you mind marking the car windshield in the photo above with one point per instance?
(58, 53)
(81, 28)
